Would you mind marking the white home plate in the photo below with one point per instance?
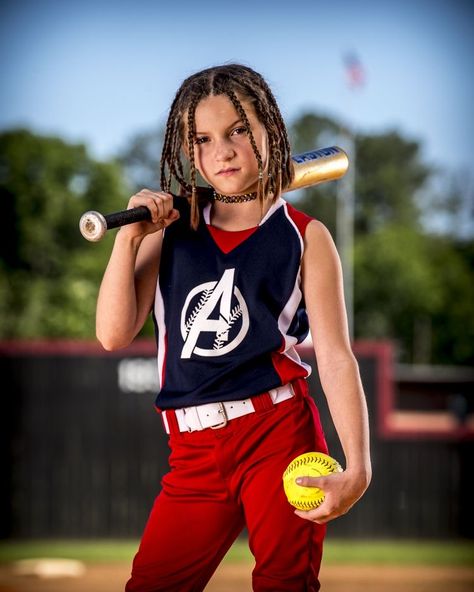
(49, 568)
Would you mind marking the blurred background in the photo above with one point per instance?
(85, 91)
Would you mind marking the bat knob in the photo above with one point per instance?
(92, 226)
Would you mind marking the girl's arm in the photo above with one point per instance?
(128, 287)
(339, 374)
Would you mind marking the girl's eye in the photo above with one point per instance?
(239, 131)
(200, 140)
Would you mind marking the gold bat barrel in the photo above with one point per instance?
(319, 166)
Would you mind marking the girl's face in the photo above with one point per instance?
(222, 150)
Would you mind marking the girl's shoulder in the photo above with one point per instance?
(319, 243)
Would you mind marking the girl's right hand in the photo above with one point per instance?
(161, 209)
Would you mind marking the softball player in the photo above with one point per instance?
(234, 282)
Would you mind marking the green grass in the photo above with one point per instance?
(337, 552)
(455, 553)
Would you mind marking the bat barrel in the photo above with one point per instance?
(319, 166)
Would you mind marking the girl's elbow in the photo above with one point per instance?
(112, 342)
(109, 345)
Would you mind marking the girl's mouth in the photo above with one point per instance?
(227, 172)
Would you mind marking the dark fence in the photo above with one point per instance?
(83, 450)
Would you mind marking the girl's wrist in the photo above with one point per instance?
(362, 473)
(128, 239)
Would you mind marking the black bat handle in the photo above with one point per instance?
(94, 225)
(117, 219)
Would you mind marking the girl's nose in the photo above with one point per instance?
(224, 150)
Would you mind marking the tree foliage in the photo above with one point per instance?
(140, 160)
(389, 176)
(309, 132)
(49, 275)
(416, 289)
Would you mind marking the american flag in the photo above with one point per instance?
(355, 73)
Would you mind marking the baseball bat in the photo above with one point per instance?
(310, 168)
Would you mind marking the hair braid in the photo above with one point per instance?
(166, 158)
(191, 137)
(177, 165)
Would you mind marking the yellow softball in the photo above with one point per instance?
(310, 464)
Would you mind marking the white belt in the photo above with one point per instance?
(217, 415)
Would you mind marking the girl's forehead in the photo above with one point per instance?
(218, 108)
(217, 103)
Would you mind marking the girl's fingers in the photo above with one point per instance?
(159, 203)
(173, 216)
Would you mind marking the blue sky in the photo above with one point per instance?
(100, 71)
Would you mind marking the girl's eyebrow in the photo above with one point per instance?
(231, 125)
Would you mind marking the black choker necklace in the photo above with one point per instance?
(234, 198)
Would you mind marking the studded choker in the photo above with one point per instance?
(234, 198)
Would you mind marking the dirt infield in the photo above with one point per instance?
(236, 578)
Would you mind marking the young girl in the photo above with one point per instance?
(234, 282)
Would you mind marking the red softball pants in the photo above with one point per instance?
(222, 480)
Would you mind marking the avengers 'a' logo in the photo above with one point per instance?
(214, 319)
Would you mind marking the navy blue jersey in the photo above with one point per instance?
(227, 322)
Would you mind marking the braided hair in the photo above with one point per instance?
(237, 82)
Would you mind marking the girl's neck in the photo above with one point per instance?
(239, 216)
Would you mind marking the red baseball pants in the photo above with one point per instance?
(222, 480)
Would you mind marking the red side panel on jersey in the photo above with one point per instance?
(300, 219)
(287, 364)
(287, 369)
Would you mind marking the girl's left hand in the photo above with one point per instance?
(341, 490)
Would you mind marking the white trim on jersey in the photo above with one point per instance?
(160, 321)
(278, 204)
(206, 213)
(292, 222)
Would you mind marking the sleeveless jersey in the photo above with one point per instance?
(227, 320)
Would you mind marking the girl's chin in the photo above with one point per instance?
(233, 186)
(234, 190)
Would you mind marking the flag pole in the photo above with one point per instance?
(346, 194)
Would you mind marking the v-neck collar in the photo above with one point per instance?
(229, 240)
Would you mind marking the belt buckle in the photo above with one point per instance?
(225, 420)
